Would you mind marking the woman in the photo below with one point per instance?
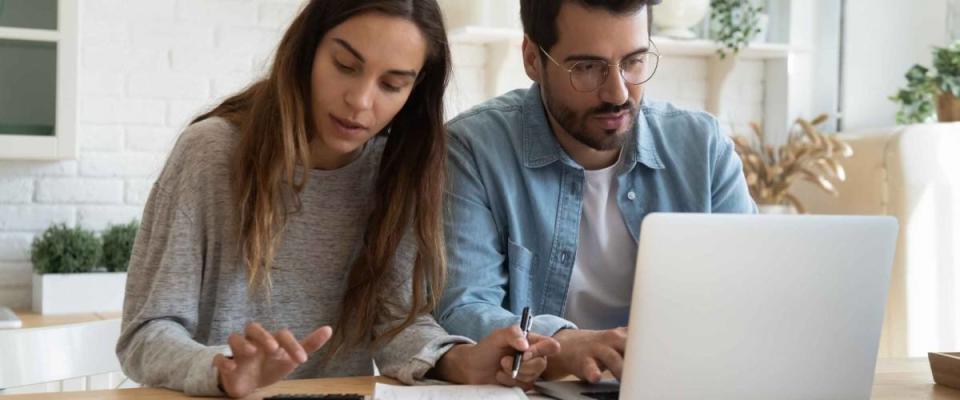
(308, 201)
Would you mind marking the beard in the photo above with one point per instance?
(575, 123)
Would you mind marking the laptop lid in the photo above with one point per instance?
(757, 307)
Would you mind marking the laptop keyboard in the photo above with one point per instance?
(602, 395)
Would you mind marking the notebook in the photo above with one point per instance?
(447, 392)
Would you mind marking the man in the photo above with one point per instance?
(548, 185)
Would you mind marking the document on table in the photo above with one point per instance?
(9, 319)
(446, 392)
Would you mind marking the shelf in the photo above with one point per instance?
(484, 35)
(707, 48)
(667, 46)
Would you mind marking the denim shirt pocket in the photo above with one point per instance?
(520, 261)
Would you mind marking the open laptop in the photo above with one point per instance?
(752, 307)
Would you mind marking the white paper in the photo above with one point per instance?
(8, 319)
(446, 392)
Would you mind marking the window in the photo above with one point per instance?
(953, 19)
(38, 79)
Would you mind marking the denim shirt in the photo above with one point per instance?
(513, 198)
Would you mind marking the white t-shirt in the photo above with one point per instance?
(601, 283)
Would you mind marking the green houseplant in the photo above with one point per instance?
(931, 94)
(118, 244)
(68, 276)
(733, 24)
(61, 250)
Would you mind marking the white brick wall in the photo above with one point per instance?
(79, 191)
(16, 190)
(148, 66)
(683, 81)
(14, 246)
(466, 86)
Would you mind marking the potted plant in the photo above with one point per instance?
(118, 244)
(734, 24)
(932, 96)
(69, 276)
(808, 155)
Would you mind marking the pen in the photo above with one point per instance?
(526, 321)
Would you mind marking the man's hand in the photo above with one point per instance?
(587, 354)
(261, 358)
(491, 360)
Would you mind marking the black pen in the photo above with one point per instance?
(526, 321)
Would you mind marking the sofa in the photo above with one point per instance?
(911, 173)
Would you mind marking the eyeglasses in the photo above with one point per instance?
(588, 75)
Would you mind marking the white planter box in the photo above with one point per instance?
(78, 293)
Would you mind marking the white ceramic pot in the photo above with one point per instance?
(674, 18)
(78, 293)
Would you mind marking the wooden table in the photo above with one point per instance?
(908, 379)
(361, 385)
(34, 320)
(898, 379)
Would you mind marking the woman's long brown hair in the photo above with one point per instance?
(275, 122)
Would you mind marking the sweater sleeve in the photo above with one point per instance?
(415, 350)
(160, 311)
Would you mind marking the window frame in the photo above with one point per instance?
(63, 144)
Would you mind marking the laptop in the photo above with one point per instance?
(752, 307)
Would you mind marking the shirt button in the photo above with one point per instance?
(631, 195)
(563, 257)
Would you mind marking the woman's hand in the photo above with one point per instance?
(261, 358)
(491, 360)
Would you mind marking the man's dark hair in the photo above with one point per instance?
(539, 17)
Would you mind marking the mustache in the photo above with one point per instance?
(610, 108)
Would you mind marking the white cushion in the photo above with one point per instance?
(913, 174)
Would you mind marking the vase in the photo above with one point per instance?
(776, 209)
(674, 18)
(948, 108)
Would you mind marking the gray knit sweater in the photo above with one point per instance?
(186, 288)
